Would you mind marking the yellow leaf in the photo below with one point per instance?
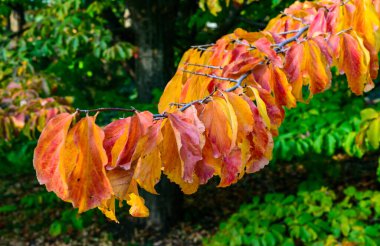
(138, 208)
(108, 209)
(261, 106)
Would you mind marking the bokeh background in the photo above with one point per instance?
(56, 55)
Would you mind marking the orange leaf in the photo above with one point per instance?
(243, 114)
(220, 122)
(148, 169)
(171, 160)
(47, 154)
(306, 65)
(128, 132)
(282, 89)
(85, 158)
(354, 61)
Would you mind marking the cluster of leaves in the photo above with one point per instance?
(68, 24)
(329, 124)
(310, 218)
(219, 112)
(22, 110)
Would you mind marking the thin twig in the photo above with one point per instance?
(159, 116)
(205, 49)
(201, 101)
(86, 111)
(211, 76)
(279, 46)
(252, 47)
(288, 32)
(202, 45)
(293, 17)
(206, 66)
(239, 82)
(343, 31)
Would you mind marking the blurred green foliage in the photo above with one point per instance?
(66, 42)
(328, 125)
(315, 218)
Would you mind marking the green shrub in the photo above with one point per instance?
(329, 124)
(311, 218)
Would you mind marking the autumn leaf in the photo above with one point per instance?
(306, 65)
(129, 131)
(220, 122)
(230, 168)
(148, 168)
(84, 160)
(137, 204)
(108, 209)
(188, 130)
(46, 161)
(281, 87)
(354, 60)
(265, 46)
(171, 160)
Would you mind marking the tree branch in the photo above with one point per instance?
(211, 76)
(206, 66)
(279, 46)
(202, 46)
(239, 82)
(86, 111)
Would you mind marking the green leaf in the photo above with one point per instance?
(349, 142)
(275, 3)
(7, 208)
(269, 239)
(368, 114)
(330, 144)
(372, 231)
(344, 226)
(55, 229)
(318, 143)
(373, 133)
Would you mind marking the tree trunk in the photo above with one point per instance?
(153, 23)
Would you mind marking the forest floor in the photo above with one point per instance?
(27, 210)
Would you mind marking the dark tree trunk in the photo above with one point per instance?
(153, 22)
